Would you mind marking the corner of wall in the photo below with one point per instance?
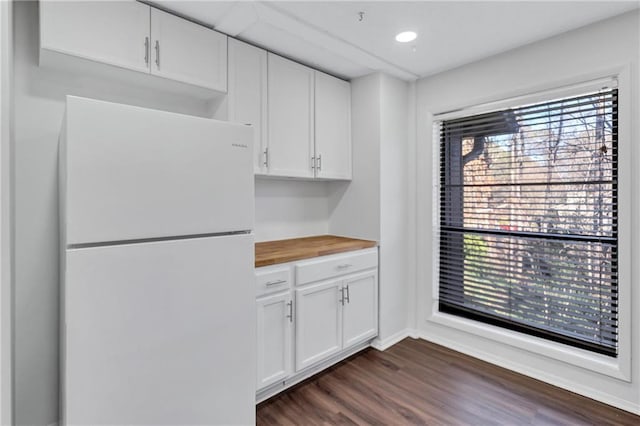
(411, 216)
(354, 207)
(384, 344)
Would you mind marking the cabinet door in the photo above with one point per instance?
(290, 118)
(247, 100)
(114, 33)
(332, 127)
(318, 323)
(360, 313)
(275, 316)
(188, 52)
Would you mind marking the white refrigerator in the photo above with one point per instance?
(158, 308)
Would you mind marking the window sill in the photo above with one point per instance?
(616, 368)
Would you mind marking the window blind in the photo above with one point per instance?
(528, 219)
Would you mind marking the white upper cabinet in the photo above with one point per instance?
(187, 52)
(135, 36)
(332, 127)
(291, 129)
(309, 125)
(247, 95)
(116, 33)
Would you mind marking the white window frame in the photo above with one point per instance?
(619, 367)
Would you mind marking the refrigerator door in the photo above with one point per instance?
(160, 333)
(131, 173)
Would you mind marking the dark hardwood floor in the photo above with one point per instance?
(416, 382)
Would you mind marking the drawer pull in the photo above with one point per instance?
(290, 305)
(158, 54)
(146, 50)
(344, 266)
(276, 282)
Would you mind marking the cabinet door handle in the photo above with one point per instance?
(344, 266)
(266, 157)
(158, 54)
(342, 295)
(290, 305)
(276, 282)
(348, 294)
(146, 50)
(320, 162)
(313, 163)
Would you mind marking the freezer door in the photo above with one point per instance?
(131, 173)
(160, 333)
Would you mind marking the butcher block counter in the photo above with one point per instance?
(282, 251)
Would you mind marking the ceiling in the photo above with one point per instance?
(330, 35)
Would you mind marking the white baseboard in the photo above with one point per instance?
(535, 373)
(384, 344)
(294, 379)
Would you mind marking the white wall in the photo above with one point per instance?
(6, 217)
(394, 121)
(573, 56)
(355, 206)
(289, 209)
(39, 105)
(375, 204)
(411, 214)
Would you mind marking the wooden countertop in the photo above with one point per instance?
(282, 251)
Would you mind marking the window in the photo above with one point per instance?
(528, 219)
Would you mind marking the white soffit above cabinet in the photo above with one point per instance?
(330, 36)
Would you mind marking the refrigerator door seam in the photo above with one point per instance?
(156, 239)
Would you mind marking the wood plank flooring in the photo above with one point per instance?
(417, 382)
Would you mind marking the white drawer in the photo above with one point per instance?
(326, 267)
(270, 279)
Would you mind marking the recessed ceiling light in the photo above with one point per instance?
(406, 36)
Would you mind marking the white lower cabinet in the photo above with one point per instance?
(334, 309)
(318, 322)
(360, 310)
(275, 325)
(335, 315)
